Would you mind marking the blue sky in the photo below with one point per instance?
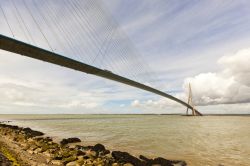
(204, 42)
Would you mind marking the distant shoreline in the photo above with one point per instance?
(137, 114)
(6, 119)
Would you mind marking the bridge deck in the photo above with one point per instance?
(28, 50)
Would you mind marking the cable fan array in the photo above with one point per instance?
(82, 30)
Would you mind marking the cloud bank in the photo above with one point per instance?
(229, 85)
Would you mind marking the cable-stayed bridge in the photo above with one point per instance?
(79, 35)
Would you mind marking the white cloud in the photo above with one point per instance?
(230, 85)
(238, 66)
(81, 104)
(155, 105)
(209, 88)
(136, 103)
(31, 86)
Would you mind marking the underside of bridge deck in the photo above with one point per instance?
(21, 48)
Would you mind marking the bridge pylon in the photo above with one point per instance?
(190, 102)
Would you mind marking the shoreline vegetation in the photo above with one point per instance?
(24, 146)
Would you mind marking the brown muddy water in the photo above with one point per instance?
(200, 141)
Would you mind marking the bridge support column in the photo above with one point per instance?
(190, 101)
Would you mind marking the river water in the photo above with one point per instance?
(200, 141)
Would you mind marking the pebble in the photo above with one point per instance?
(128, 164)
(30, 151)
(56, 162)
(73, 163)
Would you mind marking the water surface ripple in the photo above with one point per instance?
(201, 141)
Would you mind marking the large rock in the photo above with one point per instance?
(144, 158)
(69, 159)
(70, 140)
(180, 163)
(162, 161)
(73, 163)
(32, 133)
(99, 148)
(56, 162)
(125, 157)
(38, 150)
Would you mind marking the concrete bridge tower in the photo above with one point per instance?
(190, 101)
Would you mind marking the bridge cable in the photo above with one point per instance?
(140, 67)
(19, 23)
(114, 46)
(77, 23)
(91, 38)
(37, 25)
(7, 21)
(114, 42)
(48, 24)
(60, 27)
(95, 36)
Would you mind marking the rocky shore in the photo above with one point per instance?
(24, 146)
(5, 161)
